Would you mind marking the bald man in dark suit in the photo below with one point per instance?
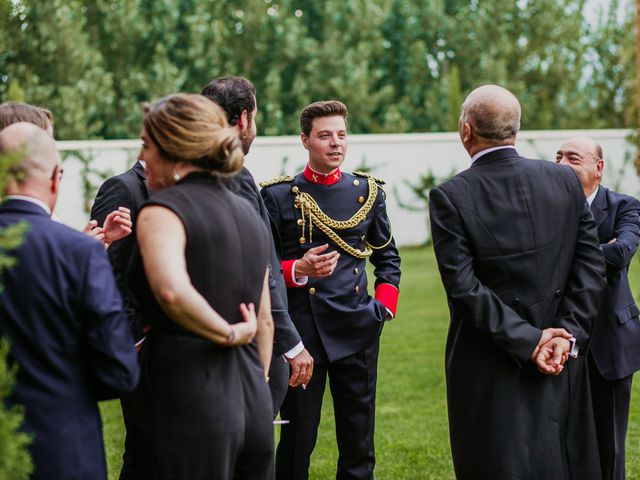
(519, 258)
(63, 315)
(615, 344)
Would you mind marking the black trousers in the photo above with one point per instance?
(353, 387)
(278, 382)
(611, 410)
(127, 471)
(132, 408)
(198, 413)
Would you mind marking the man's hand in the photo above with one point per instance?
(553, 355)
(301, 369)
(93, 230)
(117, 225)
(548, 334)
(313, 264)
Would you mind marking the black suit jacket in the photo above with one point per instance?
(128, 189)
(285, 335)
(517, 250)
(615, 346)
(62, 313)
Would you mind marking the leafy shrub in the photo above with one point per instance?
(15, 462)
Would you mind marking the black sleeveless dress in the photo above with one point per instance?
(205, 410)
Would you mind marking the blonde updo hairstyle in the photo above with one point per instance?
(193, 129)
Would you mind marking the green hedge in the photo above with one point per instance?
(15, 462)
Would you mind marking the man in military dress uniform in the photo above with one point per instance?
(328, 222)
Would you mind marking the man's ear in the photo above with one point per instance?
(305, 141)
(55, 181)
(600, 167)
(465, 132)
(243, 120)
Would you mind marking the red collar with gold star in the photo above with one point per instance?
(321, 178)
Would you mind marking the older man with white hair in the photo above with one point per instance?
(63, 315)
(518, 253)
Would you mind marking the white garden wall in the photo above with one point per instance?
(397, 158)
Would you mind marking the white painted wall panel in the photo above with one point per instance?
(395, 158)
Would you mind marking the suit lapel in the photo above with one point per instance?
(599, 206)
(139, 170)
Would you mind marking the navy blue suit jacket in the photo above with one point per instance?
(70, 338)
(615, 343)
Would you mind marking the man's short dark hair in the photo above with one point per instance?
(326, 108)
(234, 95)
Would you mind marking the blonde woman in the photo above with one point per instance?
(204, 404)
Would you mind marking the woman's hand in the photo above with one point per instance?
(243, 332)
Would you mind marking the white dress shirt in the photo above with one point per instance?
(489, 150)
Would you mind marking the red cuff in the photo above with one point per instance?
(289, 274)
(387, 294)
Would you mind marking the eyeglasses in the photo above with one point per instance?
(59, 170)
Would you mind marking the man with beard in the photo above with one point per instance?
(237, 97)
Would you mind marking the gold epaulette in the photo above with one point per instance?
(311, 215)
(366, 175)
(275, 181)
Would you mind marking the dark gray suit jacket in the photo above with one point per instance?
(285, 335)
(128, 189)
(517, 250)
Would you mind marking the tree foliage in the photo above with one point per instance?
(15, 463)
(400, 65)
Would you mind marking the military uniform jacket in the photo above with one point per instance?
(336, 315)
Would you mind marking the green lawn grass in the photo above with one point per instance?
(412, 441)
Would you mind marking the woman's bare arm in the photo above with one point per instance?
(162, 242)
(264, 337)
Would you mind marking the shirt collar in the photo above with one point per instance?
(489, 150)
(591, 197)
(33, 200)
(324, 179)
